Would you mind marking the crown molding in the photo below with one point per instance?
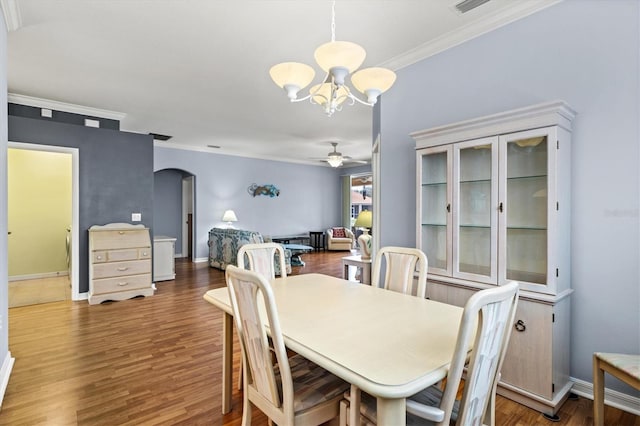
(63, 106)
(468, 32)
(11, 13)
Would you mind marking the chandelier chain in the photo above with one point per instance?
(333, 21)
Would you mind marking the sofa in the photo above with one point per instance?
(340, 238)
(225, 242)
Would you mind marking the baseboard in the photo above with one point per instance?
(5, 372)
(612, 398)
(178, 256)
(200, 259)
(38, 276)
(82, 296)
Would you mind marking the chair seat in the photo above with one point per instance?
(312, 385)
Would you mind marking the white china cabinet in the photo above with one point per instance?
(493, 204)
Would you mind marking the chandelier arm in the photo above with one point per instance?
(355, 99)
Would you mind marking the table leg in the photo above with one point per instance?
(598, 392)
(392, 411)
(227, 361)
(345, 272)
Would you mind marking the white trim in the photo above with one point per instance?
(5, 372)
(475, 29)
(39, 276)
(11, 13)
(554, 113)
(200, 259)
(63, 106)
(619, 400)
(82, 296)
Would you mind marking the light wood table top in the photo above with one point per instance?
(388, 344)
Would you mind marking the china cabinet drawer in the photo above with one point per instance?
(111, 285)
(119, 262)
(118, 269)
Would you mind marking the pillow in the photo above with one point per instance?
(339, 233)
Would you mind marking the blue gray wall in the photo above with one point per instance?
(309, 197)
(585, 52)
(115, 174)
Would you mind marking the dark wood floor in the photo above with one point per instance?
(157, 361)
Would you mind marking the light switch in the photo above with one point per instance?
(136, 217)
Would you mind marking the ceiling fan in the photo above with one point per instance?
(336, 159)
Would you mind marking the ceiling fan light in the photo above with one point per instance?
(340, 54)
(334, 160)
(373, 81)
(292, 76)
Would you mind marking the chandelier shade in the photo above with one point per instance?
(292, 76)
(340, 54)
(338, 59)
(373, 81)
(323, 95)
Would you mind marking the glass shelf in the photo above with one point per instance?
(434, 183)
(526, 228)
(526, 177)
(476, 181)
(475, 226)
(434, 224)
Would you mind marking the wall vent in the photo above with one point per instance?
(159, 137)
(467, 5)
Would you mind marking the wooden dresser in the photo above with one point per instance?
(119, 262)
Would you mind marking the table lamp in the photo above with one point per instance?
(229, 216)
(364, 221)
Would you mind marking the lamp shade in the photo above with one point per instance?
(335, 160)
(340, 54)
(373, 81)
(229, 216)
(321, 94)
(292, 76)
(364, 220)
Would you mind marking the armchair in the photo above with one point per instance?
(340, 238)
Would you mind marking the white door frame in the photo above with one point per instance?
(75, 209)
(188, 204)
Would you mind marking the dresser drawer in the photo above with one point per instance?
(119, 269)
(99, 256)
(114, 285)
(120, 239)
(144, 253)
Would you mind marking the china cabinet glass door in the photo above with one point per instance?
(525, 206)
(475, 193)
(435, 210)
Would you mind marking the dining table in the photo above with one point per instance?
(388, 344)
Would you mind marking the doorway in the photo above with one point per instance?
(43, 217)
(361, 197)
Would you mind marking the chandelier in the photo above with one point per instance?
(338, 59)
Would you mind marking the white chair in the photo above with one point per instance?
(261, 259)
(488, 315)
(401, 263)
(291, 391)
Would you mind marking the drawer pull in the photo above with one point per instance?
(99, 257)
(122, 268)
(121, 232)
(519, 325)
(144, 253)
(122, 284)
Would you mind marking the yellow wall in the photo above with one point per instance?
(39, 204)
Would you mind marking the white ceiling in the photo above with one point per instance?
(198, 70)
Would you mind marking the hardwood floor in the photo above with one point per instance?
(157, 361)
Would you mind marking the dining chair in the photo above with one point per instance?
(291, 390)
(261, 258)
(487, 320)
(401, 264)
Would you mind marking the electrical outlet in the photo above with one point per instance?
(136, 217)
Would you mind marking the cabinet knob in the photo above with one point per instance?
(519, 326)
(99, 257)
(144, 253)
(123, 268)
